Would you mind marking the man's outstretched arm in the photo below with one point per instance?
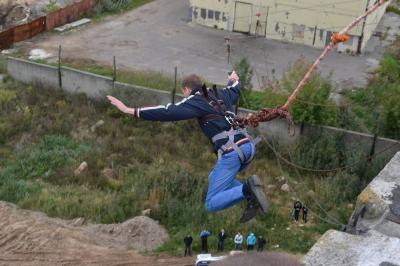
(185, 109)
(232, 90)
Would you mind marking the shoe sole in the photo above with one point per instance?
(256, 187)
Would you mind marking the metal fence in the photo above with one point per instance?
(50, 21)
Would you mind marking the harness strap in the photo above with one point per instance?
(231, 143)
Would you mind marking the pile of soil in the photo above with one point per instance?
(32, 238)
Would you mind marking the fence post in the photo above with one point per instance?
(59, 67)
(372, 151)
(174, 89)
(114, 76)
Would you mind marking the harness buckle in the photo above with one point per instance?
(231, 118)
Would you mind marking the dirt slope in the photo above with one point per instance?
(32, 238)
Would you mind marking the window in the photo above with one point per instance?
(217, 14)
(210, 14)
(203, 13)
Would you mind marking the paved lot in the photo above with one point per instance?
(158, 37)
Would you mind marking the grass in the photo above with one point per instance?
(105, 9)
(166, 172)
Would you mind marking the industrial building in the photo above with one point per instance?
(308, 22)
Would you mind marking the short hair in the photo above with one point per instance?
(192, 81)
(260, 258)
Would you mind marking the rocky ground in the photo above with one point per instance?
(16, 12)
(32, 238)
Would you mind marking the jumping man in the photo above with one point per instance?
(213, 110)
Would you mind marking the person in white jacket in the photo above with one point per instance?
(238, 241)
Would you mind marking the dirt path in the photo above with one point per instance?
(31, 238)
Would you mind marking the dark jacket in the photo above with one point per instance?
(221, 236)
(188, 240)
(197, 106)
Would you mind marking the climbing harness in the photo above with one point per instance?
(268, 114)
(235, 128)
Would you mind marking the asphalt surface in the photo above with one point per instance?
(158, 36)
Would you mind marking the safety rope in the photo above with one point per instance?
(268, 114)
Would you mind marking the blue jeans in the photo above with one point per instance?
(223, 189)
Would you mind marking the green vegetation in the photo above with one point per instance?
(52, 6)
(49, 133)
(378, 104)
(112, 7)
(393, 9)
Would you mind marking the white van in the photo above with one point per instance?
(207, 259)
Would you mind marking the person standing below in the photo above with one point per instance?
(188, 245)
(251, 241)
(204, 245)
(297, 209)
(261, 242)
(238, 241)
(221, 239)
(305, 213)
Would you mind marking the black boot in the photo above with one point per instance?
(252, 209)
(256, 199)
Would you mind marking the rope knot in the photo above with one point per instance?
(338, 38)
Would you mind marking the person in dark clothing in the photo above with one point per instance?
(261, 242)
(204, 245)
(297, 209)
(305, 213)
(213, 110)
(221, 238)
(188, 245)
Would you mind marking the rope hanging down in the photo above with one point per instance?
(268, 114)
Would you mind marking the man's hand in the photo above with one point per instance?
(233, 77)
(120, 105)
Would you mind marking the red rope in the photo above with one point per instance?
(268, 114)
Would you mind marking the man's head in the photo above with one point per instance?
(189, 83)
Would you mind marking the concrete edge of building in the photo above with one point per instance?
(372, 236)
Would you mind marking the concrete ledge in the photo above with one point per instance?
(337, 248)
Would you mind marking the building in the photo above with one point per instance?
(308, 22)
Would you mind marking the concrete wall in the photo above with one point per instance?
(93, 85)
(33, 73)
(372, 236)
(96, 86)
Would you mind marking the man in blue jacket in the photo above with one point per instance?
(213, 110)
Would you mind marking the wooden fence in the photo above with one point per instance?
(50, 21)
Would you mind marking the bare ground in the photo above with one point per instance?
(31, 238)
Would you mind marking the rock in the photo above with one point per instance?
(131, 138)
(350, 206)
(282, 179)
(78, 221)
(82, 167)
(97, 125)
(311, 193)
(37, 54)
(146, 212)
(109, 173)
(271, 187)
(285, 187)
